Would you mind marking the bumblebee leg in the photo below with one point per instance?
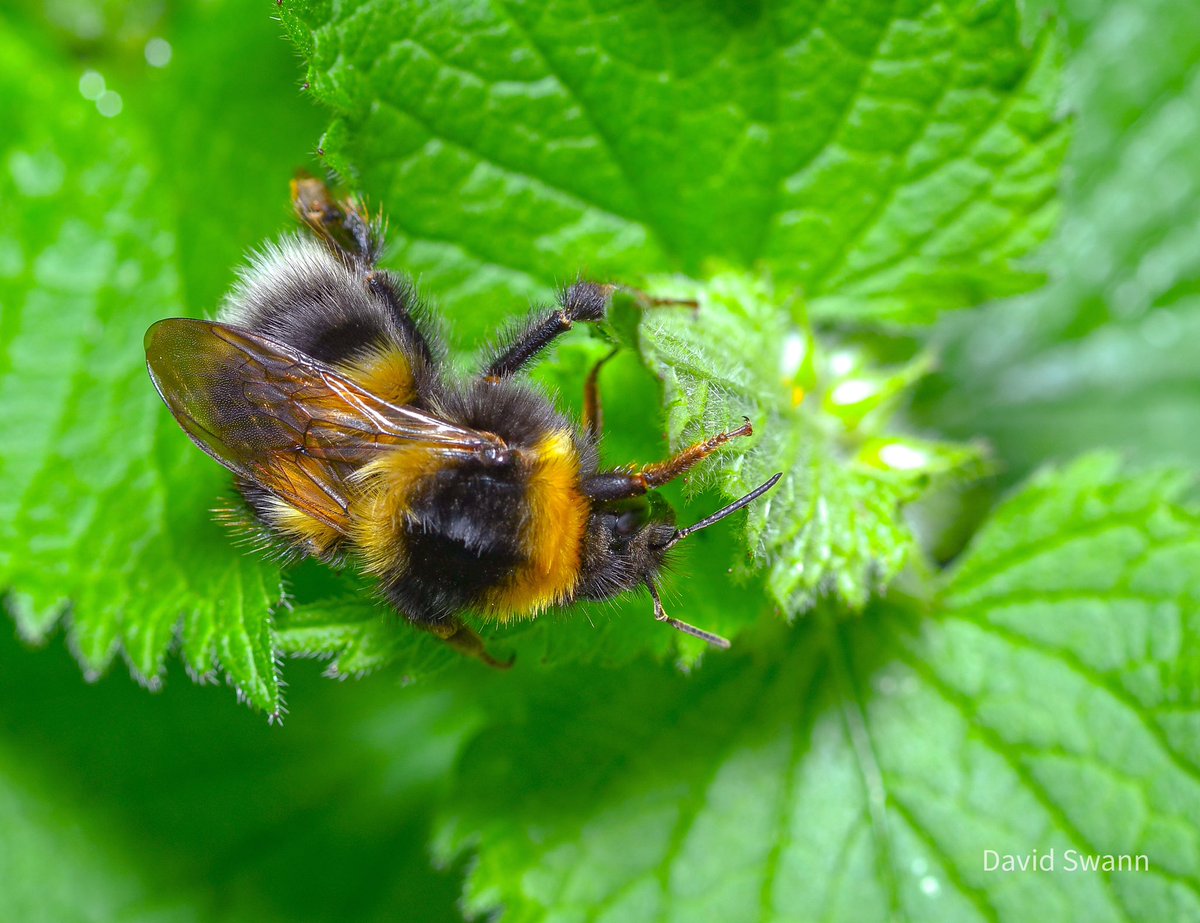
(621, 485)
(583, 301)
(646, 300)
(593, 412)
(344, 227)
(397, 296)
(463, 640)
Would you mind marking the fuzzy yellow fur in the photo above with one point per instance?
(317, 537)
(553, 539)
(386, 373)
(377, 518)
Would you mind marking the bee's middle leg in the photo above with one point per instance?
(583, 301)
(593, 409)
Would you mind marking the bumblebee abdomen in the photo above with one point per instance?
(359, 323)
(384, 370)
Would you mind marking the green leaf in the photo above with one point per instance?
(822, 410)
(555, 156)
(117, 806)
(887, 160)
(105, 512)
(359, 634)
(859, 770)
(52, 865)
(1104, 356)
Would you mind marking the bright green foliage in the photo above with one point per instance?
(615, 170)
(809, 164)
(105, 511)
(889, 160)
(51, 875)
(821, 408)
(860, 771)
(120, 806)
(360, 634)
(1105, 355)
(508, 151)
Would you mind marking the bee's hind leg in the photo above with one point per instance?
(346, 230)
(463, 640)
(341, 225)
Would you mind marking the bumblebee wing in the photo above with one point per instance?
(282, 419)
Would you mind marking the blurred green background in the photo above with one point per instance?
(118, 804)
(1105, 354)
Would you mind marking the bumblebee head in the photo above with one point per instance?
(627, 542)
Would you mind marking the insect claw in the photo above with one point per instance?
(660, 615)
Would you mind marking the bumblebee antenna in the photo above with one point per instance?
(660, 614)
(681, 534)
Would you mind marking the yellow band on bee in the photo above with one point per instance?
(385, 372)
(553, 539)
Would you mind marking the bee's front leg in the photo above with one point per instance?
(621, 485)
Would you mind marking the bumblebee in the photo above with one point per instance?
(323, 388)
